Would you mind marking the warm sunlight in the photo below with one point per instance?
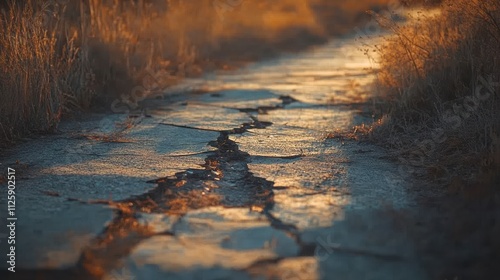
(249, 139)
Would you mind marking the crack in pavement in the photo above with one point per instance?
(225, 180)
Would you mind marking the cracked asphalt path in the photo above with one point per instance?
(239, 182)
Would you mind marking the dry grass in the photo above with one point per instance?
(435, 122)
(40, 73)
(436, 119)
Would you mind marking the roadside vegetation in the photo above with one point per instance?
(439, 102)
(438, 114)
(59, 57)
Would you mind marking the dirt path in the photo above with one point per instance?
(239, 182)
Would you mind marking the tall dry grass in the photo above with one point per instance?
(41, 72)
(442, 121)
(55, 56)
(439, 115)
